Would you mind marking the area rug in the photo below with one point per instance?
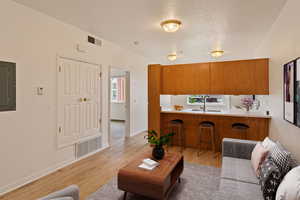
(197, 182)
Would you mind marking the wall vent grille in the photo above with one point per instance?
(88, 147)
(94, 41)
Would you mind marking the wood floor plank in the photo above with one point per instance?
(93, 172)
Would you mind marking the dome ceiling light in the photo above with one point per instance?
(217, 53)
(172, 57)
(171, 25)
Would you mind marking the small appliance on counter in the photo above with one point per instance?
(178, 107)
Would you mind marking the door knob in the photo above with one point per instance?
(86, 99)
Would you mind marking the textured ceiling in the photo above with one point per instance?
(236, 26)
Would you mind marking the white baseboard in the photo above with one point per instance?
(138, 132)
(92, 153)
(29, 179)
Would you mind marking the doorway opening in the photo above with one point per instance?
(119, 88)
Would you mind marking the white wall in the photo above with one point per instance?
(165, 100)
(28, 136)
(282, 44)
(118, 111)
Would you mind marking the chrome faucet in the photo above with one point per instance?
(257, 104)
(204, 103)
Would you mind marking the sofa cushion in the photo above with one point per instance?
(237, 148)
(268, 143)
(238, 170)
(289, 188)
(269, 178)
(282, 158)
(235, 190)
(293, 161)
(258, 155)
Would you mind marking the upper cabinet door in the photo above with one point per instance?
(172, 79)
(240, 77)
(186, 79)
(231, 77)
(217, 78)
(261, 76)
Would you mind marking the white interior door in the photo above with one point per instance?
(90, 107)
(79, 106)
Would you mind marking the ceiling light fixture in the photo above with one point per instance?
(217, 53)
(171, 25)
(172, 57)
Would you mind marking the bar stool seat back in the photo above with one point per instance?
(176, 126)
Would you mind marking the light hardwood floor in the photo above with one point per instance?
(93, 172)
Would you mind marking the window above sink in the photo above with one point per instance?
(209, 100)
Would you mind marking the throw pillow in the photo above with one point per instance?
(282, 158)
(258, 155)
(289, 188)
(268, 143)
(293, 160)
(269, 178)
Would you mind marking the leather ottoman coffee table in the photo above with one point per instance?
(155, 184)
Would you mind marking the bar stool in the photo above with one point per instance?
(177, 127)
(209, 127)
(241, 128)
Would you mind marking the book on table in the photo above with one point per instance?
(148, 164)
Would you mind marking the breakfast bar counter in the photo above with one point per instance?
(218, 113)
(257, 126)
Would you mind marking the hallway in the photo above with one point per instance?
(117, 130)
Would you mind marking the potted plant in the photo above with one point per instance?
(158, 142)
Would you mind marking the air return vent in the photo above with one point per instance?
(94, 41)
(88, 147)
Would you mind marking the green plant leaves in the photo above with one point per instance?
(153, 138)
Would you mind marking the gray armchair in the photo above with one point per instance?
(69, 193)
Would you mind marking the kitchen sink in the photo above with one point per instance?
(213, 111)
(195, 109)
(200, 110)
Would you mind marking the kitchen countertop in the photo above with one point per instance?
(222, 113)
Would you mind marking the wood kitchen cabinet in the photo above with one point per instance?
(154, 83)
(233, 77)
(243, 77)
(257, 131)
(186, 79)
(239, 77)
(258, 128)
(261, 76)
